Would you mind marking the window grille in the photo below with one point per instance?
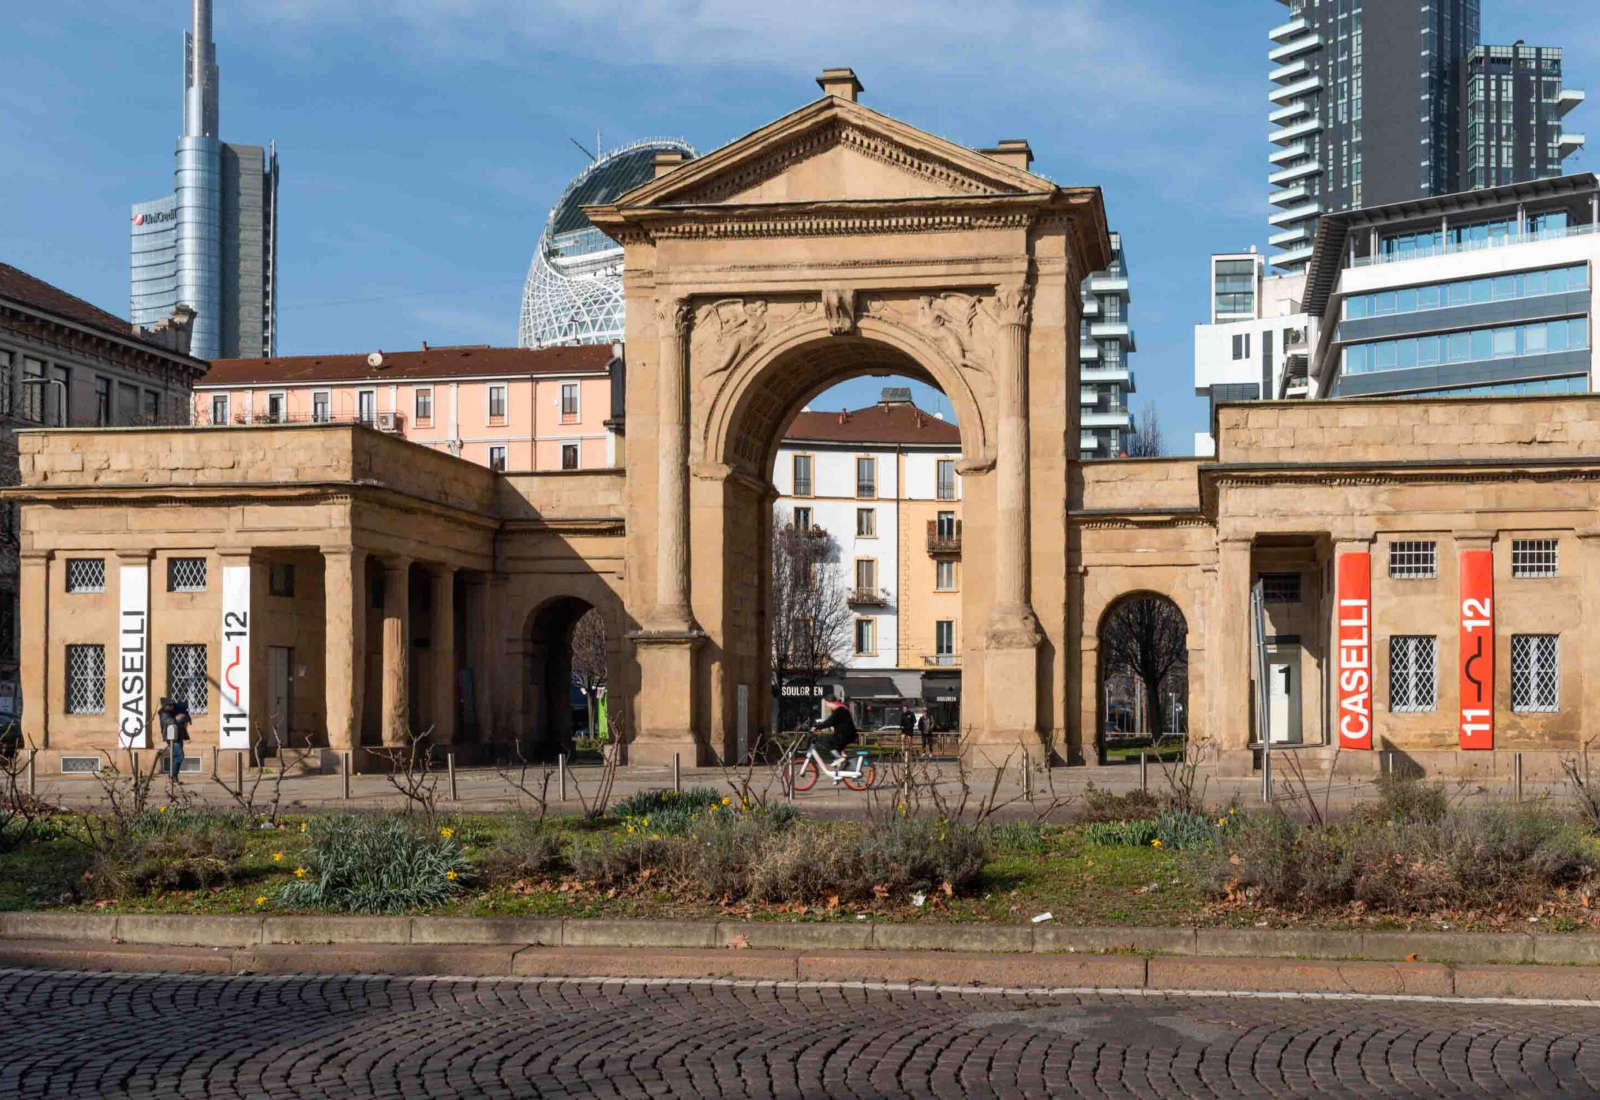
(1414, 559)
(1535, 673)
(1534, 558)
(186, 574)
(80, 765)
(86, 679)
(86, 574)
(280, 579)
(866, 477)
(186, 676)
(802, 475)
(1281, 587)
(1413, 680)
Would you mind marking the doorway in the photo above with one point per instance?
(1283, 693)
(280, 694)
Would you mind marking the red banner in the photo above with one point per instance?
(1353, 619)
(1477, 649)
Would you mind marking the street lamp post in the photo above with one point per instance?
(62, 408)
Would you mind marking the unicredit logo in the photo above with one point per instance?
(153, 217)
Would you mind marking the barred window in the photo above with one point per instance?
(186, 574)
(86, 679)
(1414, 559)
(86, 574)
(1534, 558)
(280, 579)
(186, 676)
(1535, 673)
(1413, 681)
(1281, 587)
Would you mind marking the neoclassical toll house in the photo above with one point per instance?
(1431, 569)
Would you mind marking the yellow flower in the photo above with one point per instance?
(277, 857)
(1230, 809)
(303, 826)
(299, 872)
(161, 809)
(647, 823)
(447, 832)
(1156, 843)
(1222, 821)
(451, 875)
(630, 828)
(726, 800)
(261, 899)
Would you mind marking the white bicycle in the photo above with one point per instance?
(853, 769)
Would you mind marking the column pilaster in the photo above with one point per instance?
(396, 724)
(34, 642)
(1230, 650)
(442, 647)
(344, 643)
(672, 611)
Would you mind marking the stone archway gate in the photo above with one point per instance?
(831, 243)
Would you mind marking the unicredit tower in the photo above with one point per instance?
(212, 244)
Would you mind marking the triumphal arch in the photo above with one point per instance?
(833, 243)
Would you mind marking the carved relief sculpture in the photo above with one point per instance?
(839, 304)
(740, 326)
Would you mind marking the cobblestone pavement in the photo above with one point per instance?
(128, 1035)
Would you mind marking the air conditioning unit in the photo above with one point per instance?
(388, 422)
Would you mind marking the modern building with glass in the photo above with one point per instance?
(1105, 345)
(1333, 59)
(573, 294)
(1487, 292)
(212, 244)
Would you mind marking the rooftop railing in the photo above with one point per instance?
(1449, 248)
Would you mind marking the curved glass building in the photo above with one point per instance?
(574, 289)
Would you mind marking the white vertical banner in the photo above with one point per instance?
(133, 657)
(233, 672)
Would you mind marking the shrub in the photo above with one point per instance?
(613, 862)
(1120, 834)
(1183, 829)
(725, 849)
(375, 865)
(529, 849)
(923, 853)
(176, 850)
(809, 865)
(1016, 837)
(652, 803)
(1404, 799)
(1102, 805)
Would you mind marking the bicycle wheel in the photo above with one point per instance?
(868, 776)
(806, 777)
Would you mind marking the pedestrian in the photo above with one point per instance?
(925, 730)
(843, 725)
(908, 727)
(175, 719)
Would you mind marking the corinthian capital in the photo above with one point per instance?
(675, 313)
(1013, 305)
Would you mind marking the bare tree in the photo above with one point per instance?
(1147, 636)
(1145, 441)
(810, 618)
(590, 653)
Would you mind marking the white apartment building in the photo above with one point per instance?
(881, 482)
(1256, 344)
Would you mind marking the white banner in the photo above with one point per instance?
(133, 658)
(233, 674)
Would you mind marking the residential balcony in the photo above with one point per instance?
(1294, 70)
(812, 532)
(1568, 144)
(1289, 195)
(1295, 172)
(1298, 130)
(1292, 256)
(1297, 214)
(393, 423)
(1295, 47)
(1105, 283)
(942, 660)
(867, 597)
(1297, 109)
(1289, 153)
(1285, 92)
(1284, 31)
(1088, 351)
(947, 541)
(1300, 232)
(1111, 330)
(1105, 418)
(1091, 306)
(1106, 374)
(1567, 99)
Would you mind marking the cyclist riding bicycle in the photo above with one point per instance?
(843, 726)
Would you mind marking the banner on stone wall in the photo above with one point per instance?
(234, 671)
(1477, 649)
(1353, 630)
(133, 657)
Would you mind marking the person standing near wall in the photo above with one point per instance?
(175, 719)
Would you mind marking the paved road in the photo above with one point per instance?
(121, 1035)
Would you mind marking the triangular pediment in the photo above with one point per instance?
(833, 150)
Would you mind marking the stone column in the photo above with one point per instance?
(442, 651)
(396, 724)
(34, 641)
(1589, 682)
(1230, 648)
(485, 647)
(672, 467)
(1012, 637)
(344, 642)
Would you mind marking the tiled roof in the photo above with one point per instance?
(451, 362)
(897, 422)
(21, 287)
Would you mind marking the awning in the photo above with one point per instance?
(871, 687)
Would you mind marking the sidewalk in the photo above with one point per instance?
(1509, 965)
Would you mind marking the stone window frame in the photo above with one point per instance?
(497, 457)
(576, 415)
(871, 624)
(85, 690)
(1413, 674)
(576, 454)
(1535, 673)
(1283, 586)
(500, 391)
(422, 397)
(873, 494)
(871, 516)
(183, 571)
(810, 461)
(855, 573)
(1414, 560)
(946, 564)
(1535, 558)
(188, 668)
(80, 576)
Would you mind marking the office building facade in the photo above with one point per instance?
(1105, 345)
(1484, 293)
(1342, 71)
(212, 244)
(1514, 105)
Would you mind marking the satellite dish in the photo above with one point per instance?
(375, 359)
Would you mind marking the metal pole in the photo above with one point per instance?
(1516, 775)
(1144, 770)
(677, 779)
(450, 766)
(1027, 777)
(561, 774)
(32, 771)
(346, 762)
(238, 773)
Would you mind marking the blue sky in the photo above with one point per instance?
(423, 141)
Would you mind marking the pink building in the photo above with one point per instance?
(506, 408)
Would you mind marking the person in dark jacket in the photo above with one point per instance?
(839, 720)
(174, 716)
(908, 727)
(925, 729)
